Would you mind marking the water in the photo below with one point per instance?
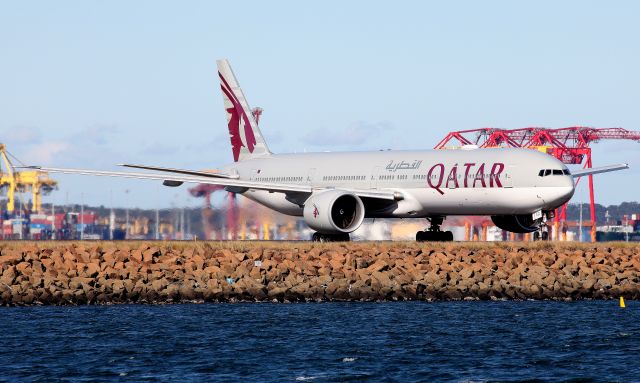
(327, 342)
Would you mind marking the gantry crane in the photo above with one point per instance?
(569, 145)
(205, 190)
(233, 213)
(35, 181)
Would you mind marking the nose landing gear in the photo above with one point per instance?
(542, 234)
(433, 233)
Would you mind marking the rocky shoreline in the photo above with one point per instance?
(79, 273)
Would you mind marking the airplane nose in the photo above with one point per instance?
(568, 192)
(559, 195)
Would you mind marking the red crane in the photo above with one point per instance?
(569, 145)
(205, 190)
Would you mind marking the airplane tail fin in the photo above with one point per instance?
(246, 139)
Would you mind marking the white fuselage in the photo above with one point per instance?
(433, 182)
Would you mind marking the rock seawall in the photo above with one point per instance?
(69, 273)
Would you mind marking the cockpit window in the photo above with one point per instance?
(555, 172)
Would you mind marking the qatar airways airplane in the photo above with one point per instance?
(335, 192)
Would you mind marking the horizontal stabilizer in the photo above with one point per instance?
(601, 169)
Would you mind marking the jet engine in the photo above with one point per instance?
(515, 223)
(333, 212)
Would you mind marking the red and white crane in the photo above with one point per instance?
(571, 145)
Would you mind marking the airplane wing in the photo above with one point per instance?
(201, 173)
(601, 169)
(234, 185)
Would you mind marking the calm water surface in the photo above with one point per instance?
(328, 342)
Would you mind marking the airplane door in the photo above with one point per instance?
(254, 174)
(508, 180)
(311, 176)
(375, 172)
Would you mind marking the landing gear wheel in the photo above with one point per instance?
(541, 235)
(434, 236)
(319, 237)
(448, 236)
(344, 237)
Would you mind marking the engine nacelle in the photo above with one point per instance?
(333, 212)
(515, 223)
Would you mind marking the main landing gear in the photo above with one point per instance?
(433, 233)
(319, 237)
(542, 234)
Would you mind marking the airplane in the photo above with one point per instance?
(335, 191)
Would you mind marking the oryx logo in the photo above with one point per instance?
(238, 117)
(316, 213)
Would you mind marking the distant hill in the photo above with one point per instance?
(616, 212)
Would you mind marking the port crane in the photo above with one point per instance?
(14, 181)
(570, 145)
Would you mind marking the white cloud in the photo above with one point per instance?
(45, 153)
(96, 135)
(21, 135)
(86, 146)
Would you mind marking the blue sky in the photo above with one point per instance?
(95, 83)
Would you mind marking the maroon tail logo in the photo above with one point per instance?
(238, 115)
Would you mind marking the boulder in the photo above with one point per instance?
(239, 257)
(277, 293)
(114, 272)
(10, 258)
(136, 256)
(8, 276)
(198, 261)
(76, 283)
(159, 284)
(149, 254)
(92, 270)
(466, 273)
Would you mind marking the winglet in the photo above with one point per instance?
(598, 170)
